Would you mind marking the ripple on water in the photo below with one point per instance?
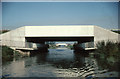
(56, 63)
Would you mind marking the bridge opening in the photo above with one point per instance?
(61, 44)
(78, 43)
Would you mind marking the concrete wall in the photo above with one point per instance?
(57, 31)
(17, 37)
(101, 34)
(4, 38)
(14, 37)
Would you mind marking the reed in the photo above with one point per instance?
(108, 53)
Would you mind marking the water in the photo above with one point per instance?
(60, 62)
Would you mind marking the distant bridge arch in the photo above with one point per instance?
(61, 44)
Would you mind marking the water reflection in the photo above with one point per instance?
(61, 58)
(55, 63)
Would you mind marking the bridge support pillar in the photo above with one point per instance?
(43, 47)
(79, 46)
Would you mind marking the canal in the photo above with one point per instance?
(60, 62)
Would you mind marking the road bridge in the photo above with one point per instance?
(36, 36)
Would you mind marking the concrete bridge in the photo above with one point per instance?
(61, 44)
(36, 36)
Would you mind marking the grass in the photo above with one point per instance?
(8, 54)
(108, 53)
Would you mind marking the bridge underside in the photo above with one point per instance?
(43, 39)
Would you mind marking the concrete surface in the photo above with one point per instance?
(90, 33)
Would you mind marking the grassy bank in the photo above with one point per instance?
(108, 54)
(8, 54)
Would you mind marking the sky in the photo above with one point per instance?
(18, 14)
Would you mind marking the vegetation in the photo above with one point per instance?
(70, 46)
(52, 46)
(4, 31)
(8, 54)
(117, 31)
(108, 54)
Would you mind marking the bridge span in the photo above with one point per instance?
(36, 36)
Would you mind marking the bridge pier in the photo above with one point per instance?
(42, 47)
(79, 46)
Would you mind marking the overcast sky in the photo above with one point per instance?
(17, 14)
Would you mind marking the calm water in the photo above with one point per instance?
(56, 63)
